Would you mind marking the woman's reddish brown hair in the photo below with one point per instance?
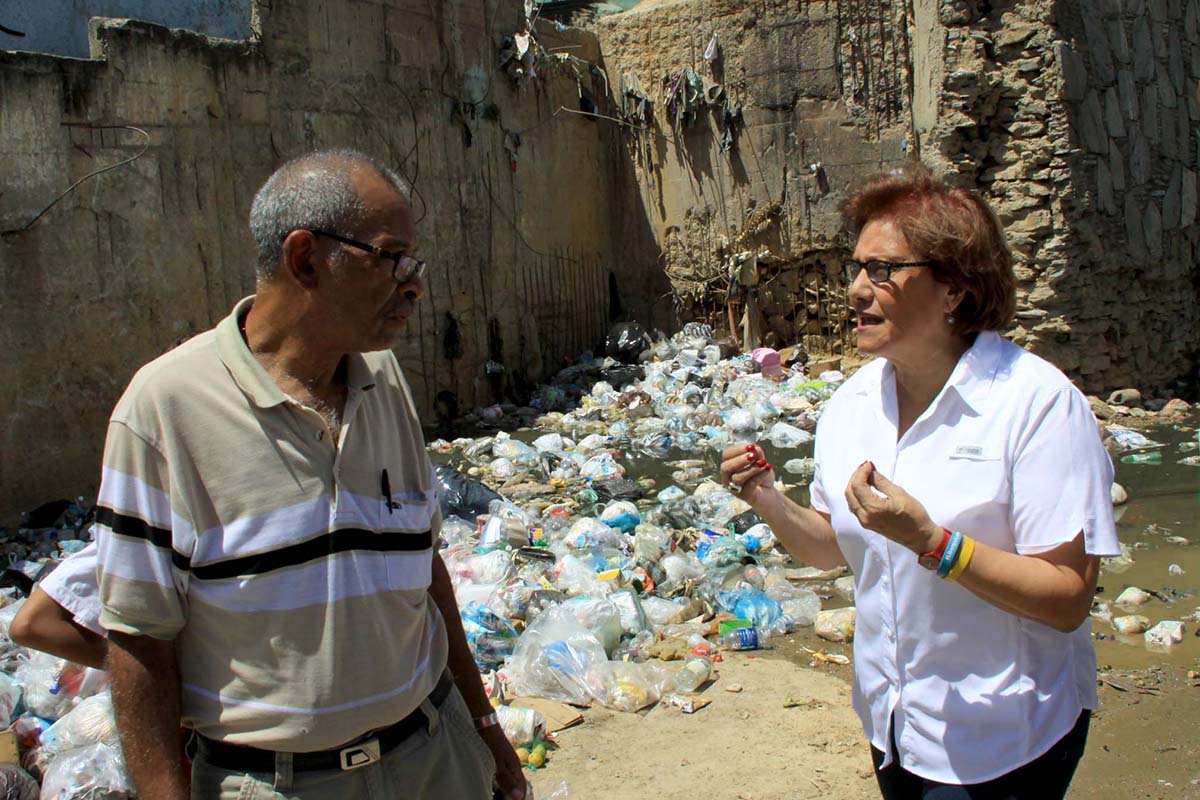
(955, 229)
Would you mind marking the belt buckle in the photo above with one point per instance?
(359, 755)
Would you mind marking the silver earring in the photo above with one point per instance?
(950, 320)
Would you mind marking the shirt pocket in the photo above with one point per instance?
(976, 493)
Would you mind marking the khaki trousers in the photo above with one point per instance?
(447, 760)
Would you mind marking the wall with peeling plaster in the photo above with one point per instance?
(141, 257)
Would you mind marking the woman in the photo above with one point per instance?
(963, 481)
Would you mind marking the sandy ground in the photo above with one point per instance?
(1143, 743)
(744, 746)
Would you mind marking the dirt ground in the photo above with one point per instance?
(747, 746)
(744, 746)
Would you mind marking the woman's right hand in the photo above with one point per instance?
(744, 467)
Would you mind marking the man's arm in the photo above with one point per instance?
(466, 677)
(145, 681)
(42, 624)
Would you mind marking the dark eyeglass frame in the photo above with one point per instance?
(413, 268)
(878, 270)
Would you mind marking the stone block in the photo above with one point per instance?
(1195, 64)
(1139, 158)
(1113, 119)
(1105, 200)
(1116, 166)
(1158, 11)
(1143, 50)
(1187, 198)
(1099, 53)
(1074, 72)
(1119, 43)
(1152, 229)
(1168, 144)
(1166, 89)
(1175, 64)
(1127, 91)
(1150, 113)
(1191, 22)
(1183, 131)
(1134, 235)
(1172, 198)
(1091, 124)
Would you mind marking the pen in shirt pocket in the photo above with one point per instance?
(385, 486)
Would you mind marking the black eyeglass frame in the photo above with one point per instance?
(414, 271)
(852, 266)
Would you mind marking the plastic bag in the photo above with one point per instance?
(90, 722)
(17, 784)
(491, 638)
(599, 615)
(522, 726)
(650, 543)
(802, 608)
(515, 451)
(626, 341)
(750, 604)
(633, 617)
(587, 533)
(659, 611)
(561, 792)
(10, 699)
(622, 515)
(836, 625)
(630, 686)
(550, 443)
(602, 467)
(96, 772)
(786, 436)
(460, 496)
(742, 427)
(617, 489)
(557, 658)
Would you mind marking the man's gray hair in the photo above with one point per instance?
(314, 191)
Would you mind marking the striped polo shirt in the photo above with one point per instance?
(291, 571)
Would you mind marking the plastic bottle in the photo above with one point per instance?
(692, 675)
(741, 639)
(1153, 457)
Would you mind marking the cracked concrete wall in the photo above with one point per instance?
(823, 89)
(141, 257)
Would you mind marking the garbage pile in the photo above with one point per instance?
(62, 718)
(579, 582)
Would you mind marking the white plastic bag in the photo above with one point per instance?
(95, 772)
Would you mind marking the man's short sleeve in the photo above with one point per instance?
(141, 569)
(73, 586)
(1062, 480)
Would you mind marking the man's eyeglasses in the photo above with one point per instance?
(878, 271)
(404, 268)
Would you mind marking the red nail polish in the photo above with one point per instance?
(762, 462)
(749, 448)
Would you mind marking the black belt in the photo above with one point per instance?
(240, 758)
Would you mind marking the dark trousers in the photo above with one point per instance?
(1045, 778)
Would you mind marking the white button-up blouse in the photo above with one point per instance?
(1008, 453)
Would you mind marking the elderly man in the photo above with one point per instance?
(266, 529)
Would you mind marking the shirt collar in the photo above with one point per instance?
(971, 378)
(250, 376)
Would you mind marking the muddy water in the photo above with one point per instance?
(1164, 503)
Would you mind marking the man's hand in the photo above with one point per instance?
(509, 778)
(896, 514)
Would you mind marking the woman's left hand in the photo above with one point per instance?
(896, 515)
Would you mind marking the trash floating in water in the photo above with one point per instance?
(1165, 633)
(1175, 569)
(1133, 596)
(1131, 624)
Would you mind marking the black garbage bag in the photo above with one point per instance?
(626, 341)
(744, 522)
(623, 375)
(461, 496)
(617, 489)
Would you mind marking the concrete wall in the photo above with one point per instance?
(824, 95)
(145, 255)
(60, 27)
